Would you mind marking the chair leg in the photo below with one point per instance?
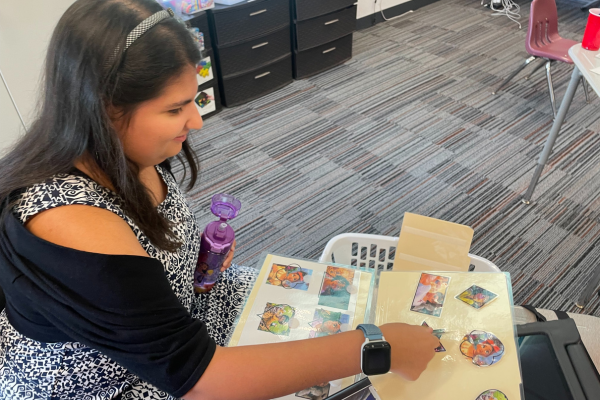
(585, 90)
(526, 63)
(589, 289)
(537, 67)
(550, 88)
(592, 4)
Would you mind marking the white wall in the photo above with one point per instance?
(24, 36)
(10, 125)
(367, 7)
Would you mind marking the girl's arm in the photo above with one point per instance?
(245, 372)
(273, 370)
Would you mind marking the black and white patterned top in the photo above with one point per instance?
(34, 370)
(80, 190)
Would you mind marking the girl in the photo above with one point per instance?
(98, 246)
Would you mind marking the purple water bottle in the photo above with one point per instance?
(216, 241)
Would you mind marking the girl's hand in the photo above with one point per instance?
(229, 258)
(412, 348)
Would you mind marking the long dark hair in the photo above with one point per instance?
(83, 77)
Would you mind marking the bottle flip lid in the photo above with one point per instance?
(225, 206)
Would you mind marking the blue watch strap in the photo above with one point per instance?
(372, 332)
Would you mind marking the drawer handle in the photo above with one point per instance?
(262, 75)
(260, 45)
(258, 12)
(332, 22)
(329, 51)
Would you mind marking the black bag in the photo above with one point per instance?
(554, 361)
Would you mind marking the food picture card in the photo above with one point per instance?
(205, 101)
(471, 315)
(295, 299)
(204, 71)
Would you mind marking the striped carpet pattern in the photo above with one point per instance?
(410, 124)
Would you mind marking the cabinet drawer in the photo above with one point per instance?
(317, 31)
(241, 89)
(321, 58)
(249, 20)
(239, 58)
(201, 22)
(305, 9)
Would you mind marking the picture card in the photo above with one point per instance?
(326, 323)
(476, 297)
(337, 288)
(492, 394)
(438, 334)
(430, 294)
(277, 319)
(483, 348)
(204, 71)
(291, 276)
(205, 101)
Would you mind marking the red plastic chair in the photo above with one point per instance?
(544, 42)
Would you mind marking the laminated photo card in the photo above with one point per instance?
(295, 299)
(205, 101)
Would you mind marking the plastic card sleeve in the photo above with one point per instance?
(296, 299)
(430, 244)
(472, 315)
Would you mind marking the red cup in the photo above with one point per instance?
(591, 37)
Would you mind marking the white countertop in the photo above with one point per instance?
(587, 60)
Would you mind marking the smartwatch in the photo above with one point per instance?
(375, 353)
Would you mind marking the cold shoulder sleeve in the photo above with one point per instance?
(120, 305)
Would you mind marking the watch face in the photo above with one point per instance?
(376, 358)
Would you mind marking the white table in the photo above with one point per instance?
(584, 61)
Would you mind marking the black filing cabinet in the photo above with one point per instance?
(251, 41)
(208, 98)
(321, 34)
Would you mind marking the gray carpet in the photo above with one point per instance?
(409, 124)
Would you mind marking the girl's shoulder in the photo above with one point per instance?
(74, 188)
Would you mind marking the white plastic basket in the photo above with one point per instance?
(374, 251)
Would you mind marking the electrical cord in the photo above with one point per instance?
(383, 15)
(509, 8)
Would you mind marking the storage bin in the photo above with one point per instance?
(321, 58)
(248, 20)
(246, 56)
(306, 9)
(245, 87)
(326, 28)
